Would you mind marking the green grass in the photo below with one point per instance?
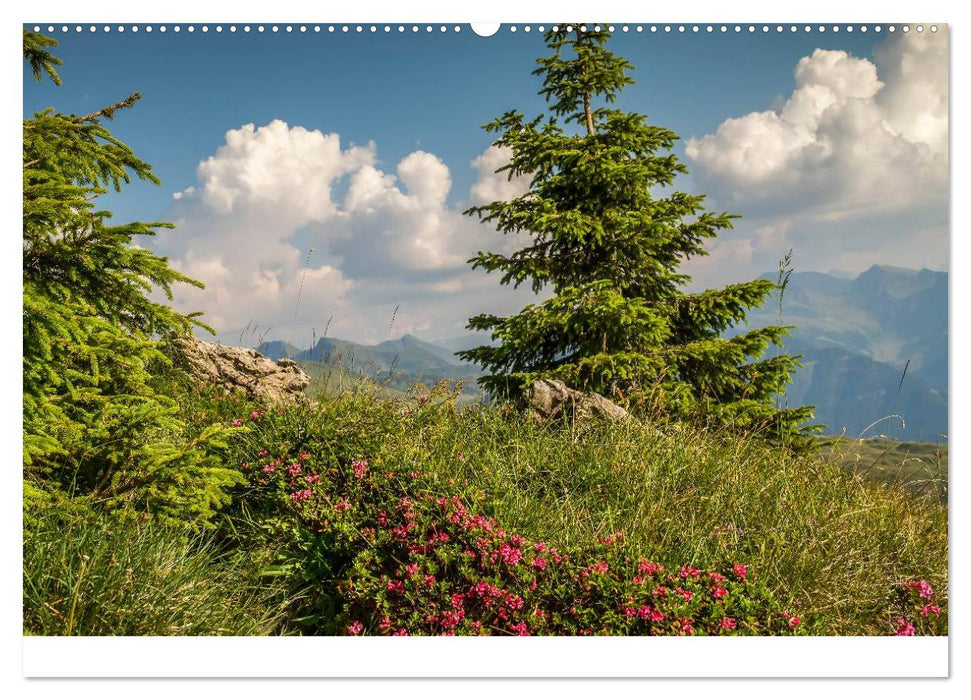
(920, 467)
(92, 575)
(329, 381)
(831, 542)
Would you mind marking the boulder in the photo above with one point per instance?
(241, 369)
(548, 399)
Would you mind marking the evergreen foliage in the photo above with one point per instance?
(608, 235)
(94, 421)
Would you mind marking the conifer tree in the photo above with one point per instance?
(94, 422)
(619, 321)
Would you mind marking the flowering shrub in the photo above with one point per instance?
(436, 567)
(378, 548)
(921, 612)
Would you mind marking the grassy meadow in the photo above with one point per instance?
(834, 543)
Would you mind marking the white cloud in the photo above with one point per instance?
(291, 168)
(852, 136)
(492, 186)
(850, 170)
(268, 195)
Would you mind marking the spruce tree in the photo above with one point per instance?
(94, 420)
(608, 237)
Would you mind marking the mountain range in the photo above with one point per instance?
(872, 346)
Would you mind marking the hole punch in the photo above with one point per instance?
(487, 29)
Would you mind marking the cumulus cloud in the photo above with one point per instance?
(844, 166)
(287, 227)
(844, 140)
(291, 168)
(495, 186)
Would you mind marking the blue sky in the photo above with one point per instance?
(405, 91)
(822, 121)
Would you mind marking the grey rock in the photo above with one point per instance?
(241, 369)
(549, 399)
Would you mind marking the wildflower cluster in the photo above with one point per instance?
(402, 560)
(378, 547)
(921, 611)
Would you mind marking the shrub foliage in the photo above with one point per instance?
(94, 422)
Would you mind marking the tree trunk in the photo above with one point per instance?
(589, 113)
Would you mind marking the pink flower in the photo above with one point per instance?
(794, 622)
(452, 618)
(904, 628)
(256, 414)
(930, 610)
(293, 469)
(686, 626)
(520, 629)
(514, 602)
(923, 588)
(599, 568)
(270, 468)
(719, 591)
(355, 628)
(301, 496)
(728, 623)
(539, 563)
(312, 478)
(539, 546)
(646, 567)
(511, 555)
(304, 456)
(237, 422)
(637, 580)
(359, 467)
(687, 571)
(739, 570)
(342, 506)
(395, 586)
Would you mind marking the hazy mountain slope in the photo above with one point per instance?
(857, 336)
(277, 349)
(851, 391)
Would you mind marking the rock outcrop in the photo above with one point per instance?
(548, 399)
(239, 369)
